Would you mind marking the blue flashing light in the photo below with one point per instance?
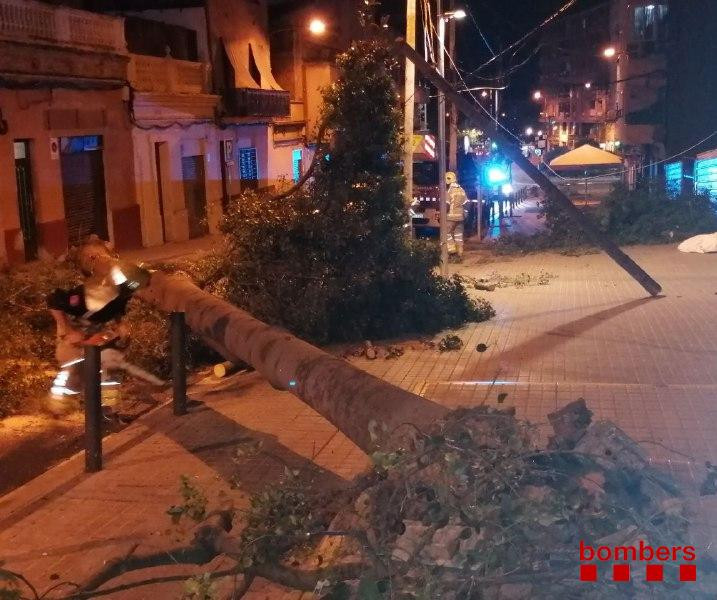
(494, 146)
(496, 174)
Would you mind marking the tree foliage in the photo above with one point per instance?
(331, 261)
(648, 214)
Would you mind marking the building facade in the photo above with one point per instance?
(65, 131)
(574, 92)
(603, 78)
(139, 120)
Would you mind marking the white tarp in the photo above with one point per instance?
(701, 244)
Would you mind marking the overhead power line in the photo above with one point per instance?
(532, 32)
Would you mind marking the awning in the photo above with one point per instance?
(586, 156)
(239, 53)
(242, 26)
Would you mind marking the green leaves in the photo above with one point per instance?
(332, 262)
(9, 585)
(194, 505)
(450, 343)
(199, 587)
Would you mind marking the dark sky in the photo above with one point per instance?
(502, 22)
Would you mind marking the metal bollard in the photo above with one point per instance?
(179, 363)
(93, 409)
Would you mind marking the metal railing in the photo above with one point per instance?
(167, 75)
(31, 21)
(92, 387)
(249, 102)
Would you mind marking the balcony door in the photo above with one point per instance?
(25, 197)
(195, 195)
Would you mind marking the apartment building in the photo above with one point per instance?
(139, 120)
(603, 78)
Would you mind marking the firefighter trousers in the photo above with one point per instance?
(455, 237)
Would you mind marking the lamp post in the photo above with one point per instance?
(443, 18)
(609, 53)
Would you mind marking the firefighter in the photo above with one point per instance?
(457, 200)
(87, 314)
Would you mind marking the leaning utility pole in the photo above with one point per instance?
(408, 103)
(513, 152)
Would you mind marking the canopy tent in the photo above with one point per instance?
(586, 157)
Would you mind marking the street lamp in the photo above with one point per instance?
(588, 85)
(529, 131)
(317, 26)
(443, 18)
(537, 95)
(609, 52)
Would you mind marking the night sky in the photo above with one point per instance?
(502, 22)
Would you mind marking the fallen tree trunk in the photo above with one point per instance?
(348, 397)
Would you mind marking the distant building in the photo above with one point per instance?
(603, 78)
(574, 89)
(692, 76)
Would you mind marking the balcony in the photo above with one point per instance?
(167, 75)
(28, 21)
(249, 102)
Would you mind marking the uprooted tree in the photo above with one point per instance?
(332, 261)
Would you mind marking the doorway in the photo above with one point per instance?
(83, 187)
(161, 161)
(25, 197)
(195, 195)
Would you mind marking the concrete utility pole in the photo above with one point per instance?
(453, 111)
(441, 146)
(408, 98)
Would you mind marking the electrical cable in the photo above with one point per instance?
(480, 32)
(533, 31)
(580, 179)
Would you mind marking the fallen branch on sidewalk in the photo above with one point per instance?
(472, 503)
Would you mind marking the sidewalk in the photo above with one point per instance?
(648, 364)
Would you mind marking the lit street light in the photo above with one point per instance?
(537, 95)
(540, 133)
(317, 26)
(609, 52)
(588, 85)
(529, 131)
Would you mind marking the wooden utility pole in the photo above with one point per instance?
(513, 152)
(409, 103)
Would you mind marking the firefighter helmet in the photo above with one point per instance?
(450, 177)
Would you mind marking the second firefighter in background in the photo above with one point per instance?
(457, 199)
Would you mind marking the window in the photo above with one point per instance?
(650, 22)
(248, 170)
(564, 108)
(296, 165)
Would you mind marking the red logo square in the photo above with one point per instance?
(588, 572)
(688, 572)
(621, 572)
(654, 573)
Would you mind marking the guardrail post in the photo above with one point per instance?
(93, 409)
(179, 363)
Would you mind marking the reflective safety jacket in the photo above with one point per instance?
(457, 199)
